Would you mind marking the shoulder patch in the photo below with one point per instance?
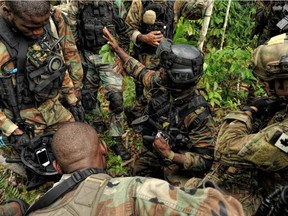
(280, 140)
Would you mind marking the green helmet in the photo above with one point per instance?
(271, 59)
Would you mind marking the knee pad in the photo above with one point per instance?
(116, 102)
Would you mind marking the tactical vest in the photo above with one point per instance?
(44, 66)
(164, 21)
(165, 112)
(91, 20)
(84, 201)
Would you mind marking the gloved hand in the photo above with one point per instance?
(20, 141)
(260, 104)
(78, 112)
(88, 100)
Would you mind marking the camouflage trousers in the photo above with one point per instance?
(47, 117)
(97, 73)
(149, 164)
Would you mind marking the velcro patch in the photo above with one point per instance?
(280, 140)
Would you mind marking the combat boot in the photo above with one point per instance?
(100, 127)
(120, 149)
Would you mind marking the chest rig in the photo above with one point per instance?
(38, 65)
(91, 20)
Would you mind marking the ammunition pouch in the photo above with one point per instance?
(92, 18)
(46, 85)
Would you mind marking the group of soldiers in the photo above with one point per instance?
(51, 71)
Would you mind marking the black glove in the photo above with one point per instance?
(266, 106)
(19, 141)
(78, 112)
(88, 100)
(262, 104)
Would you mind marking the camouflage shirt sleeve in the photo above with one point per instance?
(149, 196)
(235, 145)
(70, 52)
(133, 20)
(68, 89)
(139, 72)
(72, 15)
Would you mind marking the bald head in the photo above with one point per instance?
(75, 145)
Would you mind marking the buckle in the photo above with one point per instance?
(77, 177)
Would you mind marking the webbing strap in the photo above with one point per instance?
(61, 189)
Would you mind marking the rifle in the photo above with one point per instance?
(173, 136)
(275, 204)
(37, 155)
(261, 120)
(9, 100)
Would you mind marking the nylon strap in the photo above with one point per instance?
(61, 189)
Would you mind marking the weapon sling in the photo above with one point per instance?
(61, 189)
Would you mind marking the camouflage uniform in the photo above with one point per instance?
(69, 49)
(249, 165)
(252, 145)
(45, 115)
(98, 71)
(268, 14)
(192, 9)
(199, 148)
(141, 196)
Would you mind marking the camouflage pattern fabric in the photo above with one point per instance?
(250, 165)
(192, 9)
(48, 114)
(69, 49)
(200, 138)
(147, 196)
(266, 20)
(99, 72)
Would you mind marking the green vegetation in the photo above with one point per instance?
(227, 81)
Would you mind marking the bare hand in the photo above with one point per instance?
(119, 65)
(111, 40)
(153, 38)
(161, 146)
(17, 132)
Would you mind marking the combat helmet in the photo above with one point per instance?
(183, 63)
(270, 60)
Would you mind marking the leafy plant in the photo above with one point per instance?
(107, 54)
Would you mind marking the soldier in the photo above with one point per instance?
(270, 19)
(149, 22)
(27, 45)
(96, 193)
(252, 144)
(178, 109)
(33, 72)
(87, 21)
